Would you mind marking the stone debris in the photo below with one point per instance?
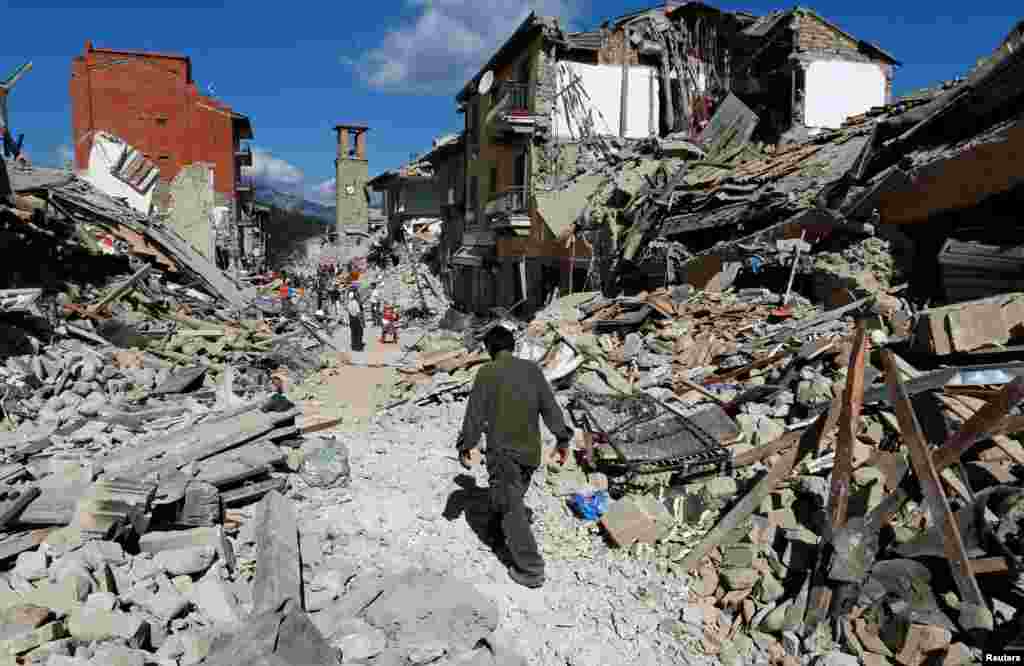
(786, 486)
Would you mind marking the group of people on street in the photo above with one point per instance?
(382, 316)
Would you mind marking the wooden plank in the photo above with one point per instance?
(766, 450)
(849, 420)
(980, 423)
(726, 377)
(847, 414)
(278, 568)
(990, 565)
(319, 426)
(122, 289)
(974, 612)
(252, 491)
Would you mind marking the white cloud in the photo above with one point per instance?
(448, 42)
(275, 173)
(268, 171)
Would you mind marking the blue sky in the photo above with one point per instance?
(298, 68)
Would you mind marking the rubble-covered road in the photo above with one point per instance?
(410, 504)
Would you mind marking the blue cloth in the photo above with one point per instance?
(590, 506)
(755, 264)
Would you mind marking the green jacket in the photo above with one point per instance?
(508, 397)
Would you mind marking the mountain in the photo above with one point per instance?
(294, 203)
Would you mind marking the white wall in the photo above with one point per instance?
(838, 89)
(105, 155)
(603, 84)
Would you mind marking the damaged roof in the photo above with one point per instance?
(585, 41)
(25, 178)
(531, 26)
(968, 121)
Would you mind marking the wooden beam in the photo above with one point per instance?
(122, 289)
(849, 419)
(980, 423)
(974, 612)
(990, 565)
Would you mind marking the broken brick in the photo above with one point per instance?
(627, 523)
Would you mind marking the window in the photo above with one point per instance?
(494, 180)
(165, 157)
(161, 120)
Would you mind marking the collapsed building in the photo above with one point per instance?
(551, 109)
(170, 150)
(929, 174)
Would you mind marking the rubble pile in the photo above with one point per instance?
(139, 429)
(797, 397)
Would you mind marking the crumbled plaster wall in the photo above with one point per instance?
(191, 199)
(544, 156)
(105, 157)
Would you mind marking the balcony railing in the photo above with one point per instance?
(519, 94)
(243, 156)
(513, 201)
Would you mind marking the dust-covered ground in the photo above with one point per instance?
(410, 505)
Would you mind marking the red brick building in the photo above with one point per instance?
(150, 101)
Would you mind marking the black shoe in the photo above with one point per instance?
(524, 579)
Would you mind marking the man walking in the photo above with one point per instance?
(355, 320)
(375, 304)
(508, 396)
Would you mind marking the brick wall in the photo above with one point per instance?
(150, 102)
(814, 35)
(612, 52)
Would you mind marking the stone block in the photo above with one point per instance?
(740, 555)
(93, 624)
(626, 523)
(186, 561)
(739, 578)
(213, 597)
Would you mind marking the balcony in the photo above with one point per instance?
(518, 93)
(510, 208)
(243, 156)
(514, 119)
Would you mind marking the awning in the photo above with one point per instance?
(471, 255)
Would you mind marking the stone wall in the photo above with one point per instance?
(545, 153)
(353, 211)
(191, 198)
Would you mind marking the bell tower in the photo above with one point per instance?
(352, 173)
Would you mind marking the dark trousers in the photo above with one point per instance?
(355, 325)
(508, 481)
